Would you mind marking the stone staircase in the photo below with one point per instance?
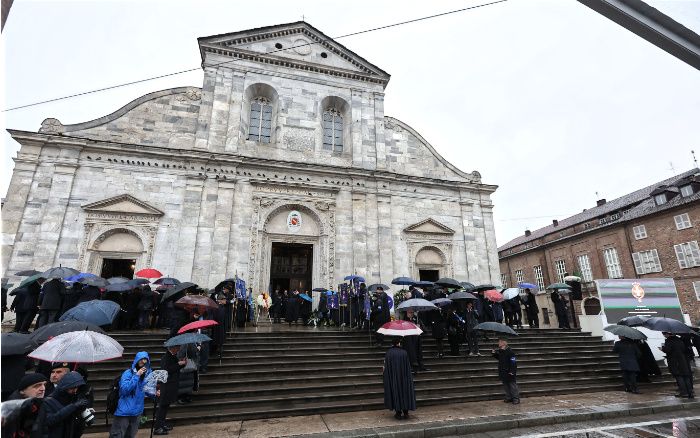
(274, 370)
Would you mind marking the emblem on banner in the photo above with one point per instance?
(294, 221)
(637, 291)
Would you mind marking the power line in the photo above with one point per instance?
(152, 78)
(535, 217)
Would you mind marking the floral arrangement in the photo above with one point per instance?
(264, 300)
(400, 297)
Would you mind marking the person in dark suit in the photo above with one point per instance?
(169, 389)
(629, 355)
(380, 313)
(678, 364)
(29, 306)
(532, 310)
(399, 391)
(50, 301)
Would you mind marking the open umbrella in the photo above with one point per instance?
(442, 302)
(461, 295)
(479, 287)
(632, 321)
(558, 286)
(80, 276)
(196, 302)
(319, 289)
(117, 280)
(493, 295)
(135, 282)
(60, 272)
(572, 278)
(466, 285)
(19, 291)
(197, 325)
(149, 273)
(31, 279)
(661, 324)
(27, 273)
(359, 278)
(98, 312)
(120, 287)
(6, 283)
(400, 328)
(528, 286)
(43, 333)
(448, 282)
(623, 330)
(374, 287)
(305, 297)
(417, 304)
(82, 347)
(496, 327)
(403, 281)
(94, 281)
(167, 281)
(186, 338)
(511, 292)
(423, 284)
(174, 290)
(16, 343)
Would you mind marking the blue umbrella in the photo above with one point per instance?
(80, 276)
(329, 292)
(403, 281)
(355, 278)
(120, 287)
(305, 297)
(528, 286)
(98, 312)
(186, 338)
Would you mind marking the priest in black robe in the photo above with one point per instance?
(399, 392)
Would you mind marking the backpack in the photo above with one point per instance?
(113, 395)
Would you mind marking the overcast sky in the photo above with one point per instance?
(546, 98)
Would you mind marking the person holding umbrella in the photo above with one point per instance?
(532, 310)
(131, 396)
(629, 362)
(678, 364)
(50, 301)
(399, 391)
(561, 310)
(169, 389)
(507, 368)
(471, 320)
(381, 313)
(59, 414)
(28, 309)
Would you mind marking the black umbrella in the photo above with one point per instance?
(117, 280)
(467, 285)
(43, 333)
(186, 338)
(135, 282)
(19, 291)
(449, 282)
(120, 287)
(94, 281)
(423, 284)
(167, 281)
(172, 291)
(27, 273)
(669, 325)
(374, 287)
(627, 332)
(485, 287)
(228, 281)
(461, 295)
(60, 272)
(16, 343)
(496, 327)
(632, 321)
(319, 289)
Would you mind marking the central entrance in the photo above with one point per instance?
(291, 266)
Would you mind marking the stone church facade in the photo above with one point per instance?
(286, 143)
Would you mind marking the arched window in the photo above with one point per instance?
(332, 130)
(260, 120)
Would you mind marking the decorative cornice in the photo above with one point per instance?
(101, 206)
(444, 229)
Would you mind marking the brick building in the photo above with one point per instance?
(652, 232)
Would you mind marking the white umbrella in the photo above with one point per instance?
(511, 292)
(572, 278)
(82, 347)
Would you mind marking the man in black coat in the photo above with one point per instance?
(629, 355)
(381, 313)
(532, 310)
(414, 344)
(561, 310)
(169, 389)
(29, 306)
(678, 364)
(50, 300)
(59, 416)
(507, 370)
(471, 320)
(399, 392)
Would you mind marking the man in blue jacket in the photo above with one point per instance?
(131, 396)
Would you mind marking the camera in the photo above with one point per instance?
(88, 416)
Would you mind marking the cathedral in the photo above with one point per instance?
(282, 169)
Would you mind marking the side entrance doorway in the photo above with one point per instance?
(429, 274)
(118, 268)
(291, 266)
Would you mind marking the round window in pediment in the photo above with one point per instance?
(301, 46)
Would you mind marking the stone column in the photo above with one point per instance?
(201, 136)
(205, 233)
(359, 233)
(490, 239)
(187, 227)
(343, 236)
(234, 130)
(369, 135)
(372, 227)
(239, 237)
(386, 264)
(222, 232)
(468, 239)
(356, 132)
(379, 130)
(218, 128)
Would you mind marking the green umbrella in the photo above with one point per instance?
(559, 286)
(623, 330)
(31, 279)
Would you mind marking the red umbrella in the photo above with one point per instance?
(493, 295)
(149, 273)
(197, 325)
(400, 328)
(196, 302)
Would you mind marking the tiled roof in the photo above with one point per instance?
(640, 201)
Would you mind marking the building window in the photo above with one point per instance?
(688, 254)
(504, 281)
(646, 261)
(682, 221)
(687, 190)
(696, 286)
(519, 276)
(260, 120)
(584, 265)
(660, 199)
(539, 277)
(640, 232)
(560, 267)
(333, 130)
(612, 263)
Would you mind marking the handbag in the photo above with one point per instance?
(190, 366)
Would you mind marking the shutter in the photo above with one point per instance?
(657, 261)
(695, 253)
(638, 265)
(680, 255)
(678, 221)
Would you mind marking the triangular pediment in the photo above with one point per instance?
(122, 204)
(300, 44)
(430, 226)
